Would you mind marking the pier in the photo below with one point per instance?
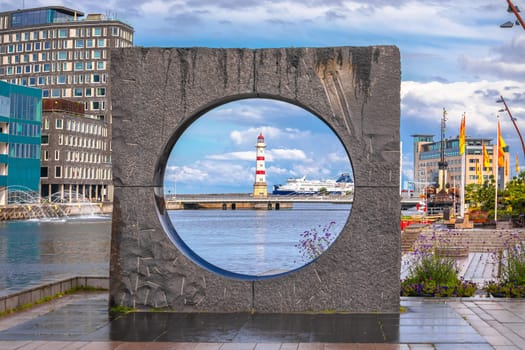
(247, 201)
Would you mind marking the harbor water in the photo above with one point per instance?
(250, 242)
(33, 252)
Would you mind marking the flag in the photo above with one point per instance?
(501, 148)
(478, 172)
(517, 165)
(462, 136)
(486, 158)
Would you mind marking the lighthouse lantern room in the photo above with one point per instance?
(260, 189)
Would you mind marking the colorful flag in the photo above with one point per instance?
(478, 172)
(501, 148)
(486, 158)
(462, 136)
(517, 165)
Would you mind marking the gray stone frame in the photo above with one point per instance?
(158, 92)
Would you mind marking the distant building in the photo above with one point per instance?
(65, 54)
(427, 154)
(20, 125)
(75, 153)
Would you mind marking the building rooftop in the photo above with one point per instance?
(62, 9)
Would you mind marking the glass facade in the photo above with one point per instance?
(20, 125)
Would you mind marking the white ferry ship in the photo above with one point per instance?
(301, 186)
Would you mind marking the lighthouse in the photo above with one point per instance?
(259, 187)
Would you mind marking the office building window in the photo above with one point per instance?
(58, 171)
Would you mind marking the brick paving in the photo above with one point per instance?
(80, 321)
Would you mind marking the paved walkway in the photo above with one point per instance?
(81, 321)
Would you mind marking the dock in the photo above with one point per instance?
(246, 201)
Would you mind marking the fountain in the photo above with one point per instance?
(26, 204)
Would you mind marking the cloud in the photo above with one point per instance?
(337, 158)
(246, 155)
(249, 136)
(422, 104)
(506, 61)
(287, 154)
(185, 174)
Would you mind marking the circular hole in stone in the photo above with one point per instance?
(257, 188)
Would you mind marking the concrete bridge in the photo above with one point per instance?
(246, 201)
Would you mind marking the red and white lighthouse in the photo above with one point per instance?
(260, 189)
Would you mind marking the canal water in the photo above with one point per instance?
(33, 252)
(250, 242)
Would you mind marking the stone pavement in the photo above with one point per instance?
(81, 321)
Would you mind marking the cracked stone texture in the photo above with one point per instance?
(158, 92)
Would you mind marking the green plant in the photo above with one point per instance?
(434, 275)
(512, 283)
(119, 310)
(513, 272)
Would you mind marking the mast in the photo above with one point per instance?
(442, 164)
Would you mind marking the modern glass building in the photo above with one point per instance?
(427, 155)
(20, 126)
(66, 54)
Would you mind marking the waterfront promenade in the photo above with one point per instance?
(81, 321)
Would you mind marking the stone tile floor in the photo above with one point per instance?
(81, 321)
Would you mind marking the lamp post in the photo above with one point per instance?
(506, 109)
(514, 9)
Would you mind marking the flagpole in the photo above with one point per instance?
(482, 161)
(463, 164)
(496, 177)
(462, 189)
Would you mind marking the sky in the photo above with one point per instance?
(454, 55)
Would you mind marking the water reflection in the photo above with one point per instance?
(33, 251)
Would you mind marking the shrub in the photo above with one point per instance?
(512, 283)
(434, 275)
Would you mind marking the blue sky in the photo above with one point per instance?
(454, 55)
(297, 144)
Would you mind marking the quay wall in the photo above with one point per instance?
(32, 295)
(228, 205)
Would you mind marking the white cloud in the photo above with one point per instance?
(337, 158)
(247, 155)
(286, 154)
(185, 174)
(423, 103)
(249, 136)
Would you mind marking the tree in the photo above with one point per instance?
(481, 196)
(323, 191)
(513, 197)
